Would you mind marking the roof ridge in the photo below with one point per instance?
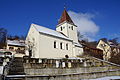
(65, 17)
(49, 31)
(45, 27)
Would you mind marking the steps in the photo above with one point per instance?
(16, 66)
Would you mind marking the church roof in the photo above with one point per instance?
(51, 32)
(65, 17)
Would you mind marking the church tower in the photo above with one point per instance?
(67, 27)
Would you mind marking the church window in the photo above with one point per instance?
(72, 27)
(66, 46)
(61, 29)
(54, 44)
(61, 45)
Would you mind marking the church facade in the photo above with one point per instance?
(43, 42)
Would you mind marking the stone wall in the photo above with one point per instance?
(52, 71)
(74, 76)
(48, 69)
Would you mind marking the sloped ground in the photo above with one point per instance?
(96, 68)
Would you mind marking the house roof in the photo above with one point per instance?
(65, 17)
(15, 42)
(77, 44)
(51, 32)
(110, 43)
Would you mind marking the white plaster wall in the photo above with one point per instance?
(47, 50)
(72, 34)
(106, 50)
(77, 51)
(15, 47)
(33, 39)
(64, 27)
(43, 45)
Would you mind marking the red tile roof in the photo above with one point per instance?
(65, 17)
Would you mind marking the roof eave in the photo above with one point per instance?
(56, 36)
(65, 22)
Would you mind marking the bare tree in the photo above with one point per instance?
(3, 34)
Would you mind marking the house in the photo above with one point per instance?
(16, 45)
(93, 52)
(90, 49)
(43, 42)
(109, 48)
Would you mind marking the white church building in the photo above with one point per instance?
(43, 42)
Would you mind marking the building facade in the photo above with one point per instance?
(108, 48)
(16, 46)
(47, 43)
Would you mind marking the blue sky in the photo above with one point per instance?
(17, 15)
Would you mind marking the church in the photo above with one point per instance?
(42, 42)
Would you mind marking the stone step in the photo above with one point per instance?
(16, 66)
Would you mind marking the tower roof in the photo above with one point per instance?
(65, 17)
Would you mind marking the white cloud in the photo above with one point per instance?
(86, 26)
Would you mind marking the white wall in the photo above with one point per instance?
(67, 30)
(106, 49)
(43, 45)
(77, 51)
(32, 39)
(1, 69)
(47, 50)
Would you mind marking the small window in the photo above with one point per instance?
(11, 47)
(66, 46)
(54, 44)
(72, 27)
(60, 45)
(61, 29)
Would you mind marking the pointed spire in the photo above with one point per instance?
(65, 17)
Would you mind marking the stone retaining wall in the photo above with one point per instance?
(52, 71)
(75, 76)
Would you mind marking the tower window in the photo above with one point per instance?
(72, 27)
(61, 28)
(54, 44)
(66, 46)
(60, 45)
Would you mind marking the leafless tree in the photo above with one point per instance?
(3, 34)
